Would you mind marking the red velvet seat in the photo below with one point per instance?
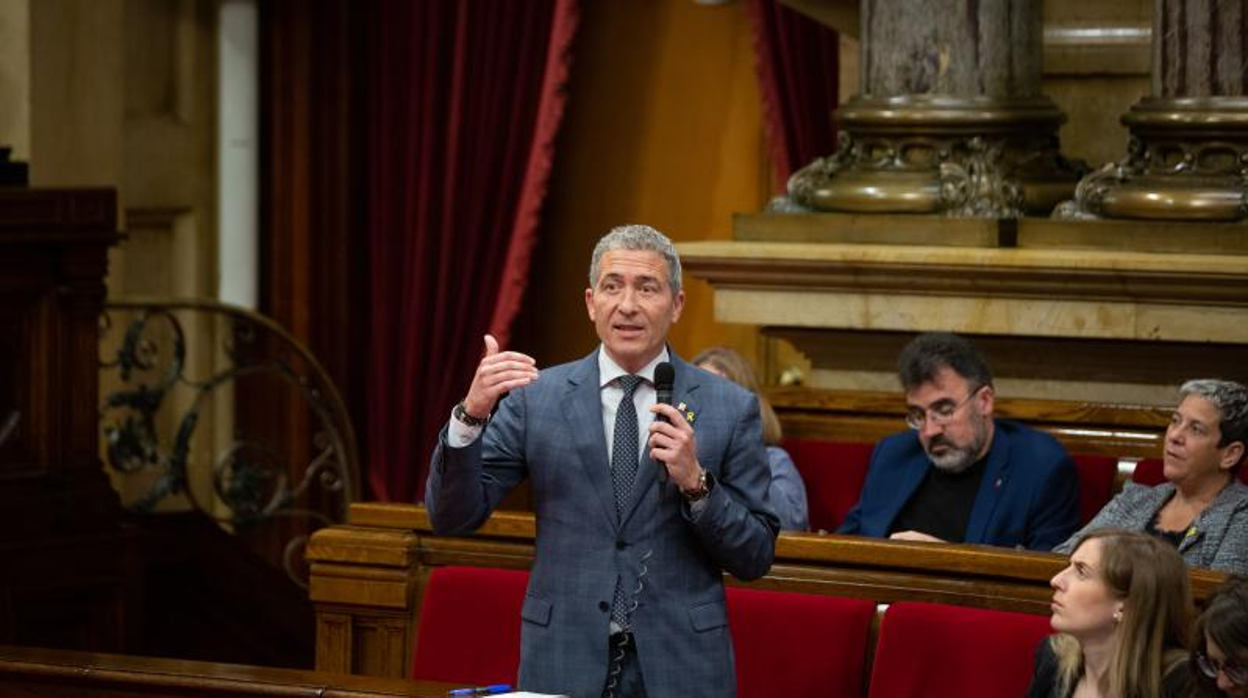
(470, 626)
(1148, 472)
(1096, 483)
(934, 651)
(833, 472)
(791, 644)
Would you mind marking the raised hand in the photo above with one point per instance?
(498, 373)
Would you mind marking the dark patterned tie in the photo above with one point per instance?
(624, 454)
(624, 461)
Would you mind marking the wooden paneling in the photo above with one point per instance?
(1130, 431)
(63, 581)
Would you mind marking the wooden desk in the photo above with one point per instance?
(368, 577)
(33, 672)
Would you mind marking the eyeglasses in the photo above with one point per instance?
(1210, 667)
(940, 414)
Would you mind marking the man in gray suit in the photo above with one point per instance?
(637, 518)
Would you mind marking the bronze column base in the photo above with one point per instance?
(961, 157)
(1187, 159)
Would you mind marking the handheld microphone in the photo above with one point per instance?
(664, 376)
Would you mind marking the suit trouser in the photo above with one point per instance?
(623, 669)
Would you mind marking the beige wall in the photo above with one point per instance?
(663, 127)
(77, 93)
(15, 77)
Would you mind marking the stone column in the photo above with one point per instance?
(1187, 156)
(951, 118)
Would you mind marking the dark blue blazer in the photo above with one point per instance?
(1029, 496)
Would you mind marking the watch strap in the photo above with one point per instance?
(705, 482)
(461, 413)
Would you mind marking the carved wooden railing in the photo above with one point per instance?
(368, 576)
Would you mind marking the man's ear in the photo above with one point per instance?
(589, 304)
(678, 305)
(988, 400)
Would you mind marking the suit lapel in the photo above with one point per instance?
(990, 488)
(583, 412)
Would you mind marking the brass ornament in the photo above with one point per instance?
(1186, 160)
(973, 157)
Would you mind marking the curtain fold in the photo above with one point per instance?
(797, 61)
(464, 101)
(312, 278)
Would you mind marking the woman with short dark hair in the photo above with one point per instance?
(1202, 508)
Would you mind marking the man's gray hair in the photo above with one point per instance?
(639, 238)
(1230, 398)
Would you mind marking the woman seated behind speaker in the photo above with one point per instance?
(1202, 509)
(1220, 661)
(788, 492)
(1122, 610)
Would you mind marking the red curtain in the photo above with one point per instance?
(464, 100)
(313, 276)
(797, 63)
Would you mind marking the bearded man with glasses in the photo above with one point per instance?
(959, 475)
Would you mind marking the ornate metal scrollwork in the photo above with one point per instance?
(804, 183)
(1091, 190)
(157, 402)
(1186, 160)
(976, 185)
(958, 157)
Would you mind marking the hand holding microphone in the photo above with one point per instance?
(672, 443)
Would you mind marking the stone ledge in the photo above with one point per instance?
(1086, 293)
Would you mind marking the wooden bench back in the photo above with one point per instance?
(1123, 431)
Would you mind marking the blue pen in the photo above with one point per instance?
(492, 689)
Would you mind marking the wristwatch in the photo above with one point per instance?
(461, 413)
(705, 482)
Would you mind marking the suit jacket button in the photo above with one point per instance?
(604, 606)
(620, 545)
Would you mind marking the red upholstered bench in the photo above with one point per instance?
(1148, 472)
(793, 644)
(934, 651)
(833, 472)
(470, 626)
(1096, 483)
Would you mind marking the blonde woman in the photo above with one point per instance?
(1122, 610)
(787, 492)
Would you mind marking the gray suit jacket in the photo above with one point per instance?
(1217, 540)
(551, 432)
